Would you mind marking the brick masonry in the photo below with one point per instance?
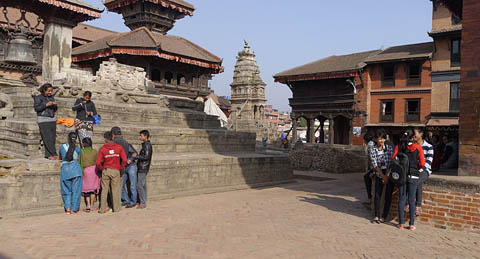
(469, 156)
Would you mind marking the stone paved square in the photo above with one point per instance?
(307, 219)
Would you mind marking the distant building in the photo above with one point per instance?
(272, 115)
(400, 87)
(446, 64)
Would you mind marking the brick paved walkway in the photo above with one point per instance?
(309, 219)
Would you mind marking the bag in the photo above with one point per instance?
(96, 119)
(399, 169)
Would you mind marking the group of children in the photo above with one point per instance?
(419, 154)
(88, 172)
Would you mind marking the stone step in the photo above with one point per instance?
(21, 138)
(36, 186)
(134, 113)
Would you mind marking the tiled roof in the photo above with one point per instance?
(82, 33)
(450, 30)
(79, 3)
(403, 52)
(178, 5)
(144, 38)
(332, 64)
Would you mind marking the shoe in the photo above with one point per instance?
(140, 207)
(125, 204)
(129, 206)
(412, 227)
(101, 212)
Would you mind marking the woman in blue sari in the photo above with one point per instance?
(71, 175)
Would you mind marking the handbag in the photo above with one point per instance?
(97, 119)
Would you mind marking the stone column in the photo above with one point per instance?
(322, 133)
(309, 131)
(312, 131)
(294, 132)
(57, 48)
(331, 133)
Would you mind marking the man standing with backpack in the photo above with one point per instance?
(426, 171)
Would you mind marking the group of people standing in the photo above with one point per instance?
(381, 152)
(116, 172)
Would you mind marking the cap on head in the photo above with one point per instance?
(116, 131)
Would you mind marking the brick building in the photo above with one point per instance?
(399, 87)
(271, 115)
(446, 59)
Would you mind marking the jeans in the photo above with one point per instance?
(131, 174)
(423, 177)
(142, 187)
(368, 183)
(48, 131)
(71, 193)
(412, 185)
(378, 195)
(111, 183)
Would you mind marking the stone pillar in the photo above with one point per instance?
(322, 132)
(309, 131)
(294, 132)
(312, 131)
(331, 133)
(57, 48)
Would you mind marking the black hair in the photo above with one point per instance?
(406, 137)
(108, 135)
(381, 133)
(87, 93)
(367, 137)
(420, 129)
(116, 131)
(72, 138)
(145, 133)
(87, 142)
(44, 87)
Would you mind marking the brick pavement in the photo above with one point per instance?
(308, 219)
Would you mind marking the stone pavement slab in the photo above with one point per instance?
(307, 219)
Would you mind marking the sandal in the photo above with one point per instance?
(400, 226)
(412, 227)
(87, 210)
(68, 212)
(375, 220)
(381, 220)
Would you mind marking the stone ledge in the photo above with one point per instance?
(463, 184)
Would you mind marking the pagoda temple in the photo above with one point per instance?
(175, 66)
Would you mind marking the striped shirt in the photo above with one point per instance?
(428, 152)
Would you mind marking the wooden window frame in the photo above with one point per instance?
(381, 117)
(387, 82)
(457, 102)
(408, 117)
(414, 81)
(456, 60)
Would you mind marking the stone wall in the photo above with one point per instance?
(328, 158)
(33, 187)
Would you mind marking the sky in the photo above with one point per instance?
(285, 33)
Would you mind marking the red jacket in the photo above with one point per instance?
(113, 157)
(411, 148)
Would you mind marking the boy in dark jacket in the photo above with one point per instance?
(144, 160)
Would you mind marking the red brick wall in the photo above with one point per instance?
(375, 71)
(470, 90)
(446, 209)
(399, 115)
(361, 106)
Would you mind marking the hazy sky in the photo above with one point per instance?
(286, 33)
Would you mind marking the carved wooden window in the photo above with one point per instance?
(412, 110)
(168, 77)
(454, 97)
(414, 73)
(455, 56)
(388, 75)
(387, 110)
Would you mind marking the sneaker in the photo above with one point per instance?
(129, 206)
(125, 204)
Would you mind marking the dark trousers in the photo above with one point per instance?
(142, 187)
(378, 195)
(368, 183)
(405, 190)
(48, 131)
(423, 177)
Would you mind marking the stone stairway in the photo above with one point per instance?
(192, 153)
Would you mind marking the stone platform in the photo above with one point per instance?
(193, 154)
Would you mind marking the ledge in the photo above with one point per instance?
(463, 184)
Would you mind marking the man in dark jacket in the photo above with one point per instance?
(144, 160)
(85, 109)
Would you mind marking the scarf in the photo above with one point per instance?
(88, 157)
